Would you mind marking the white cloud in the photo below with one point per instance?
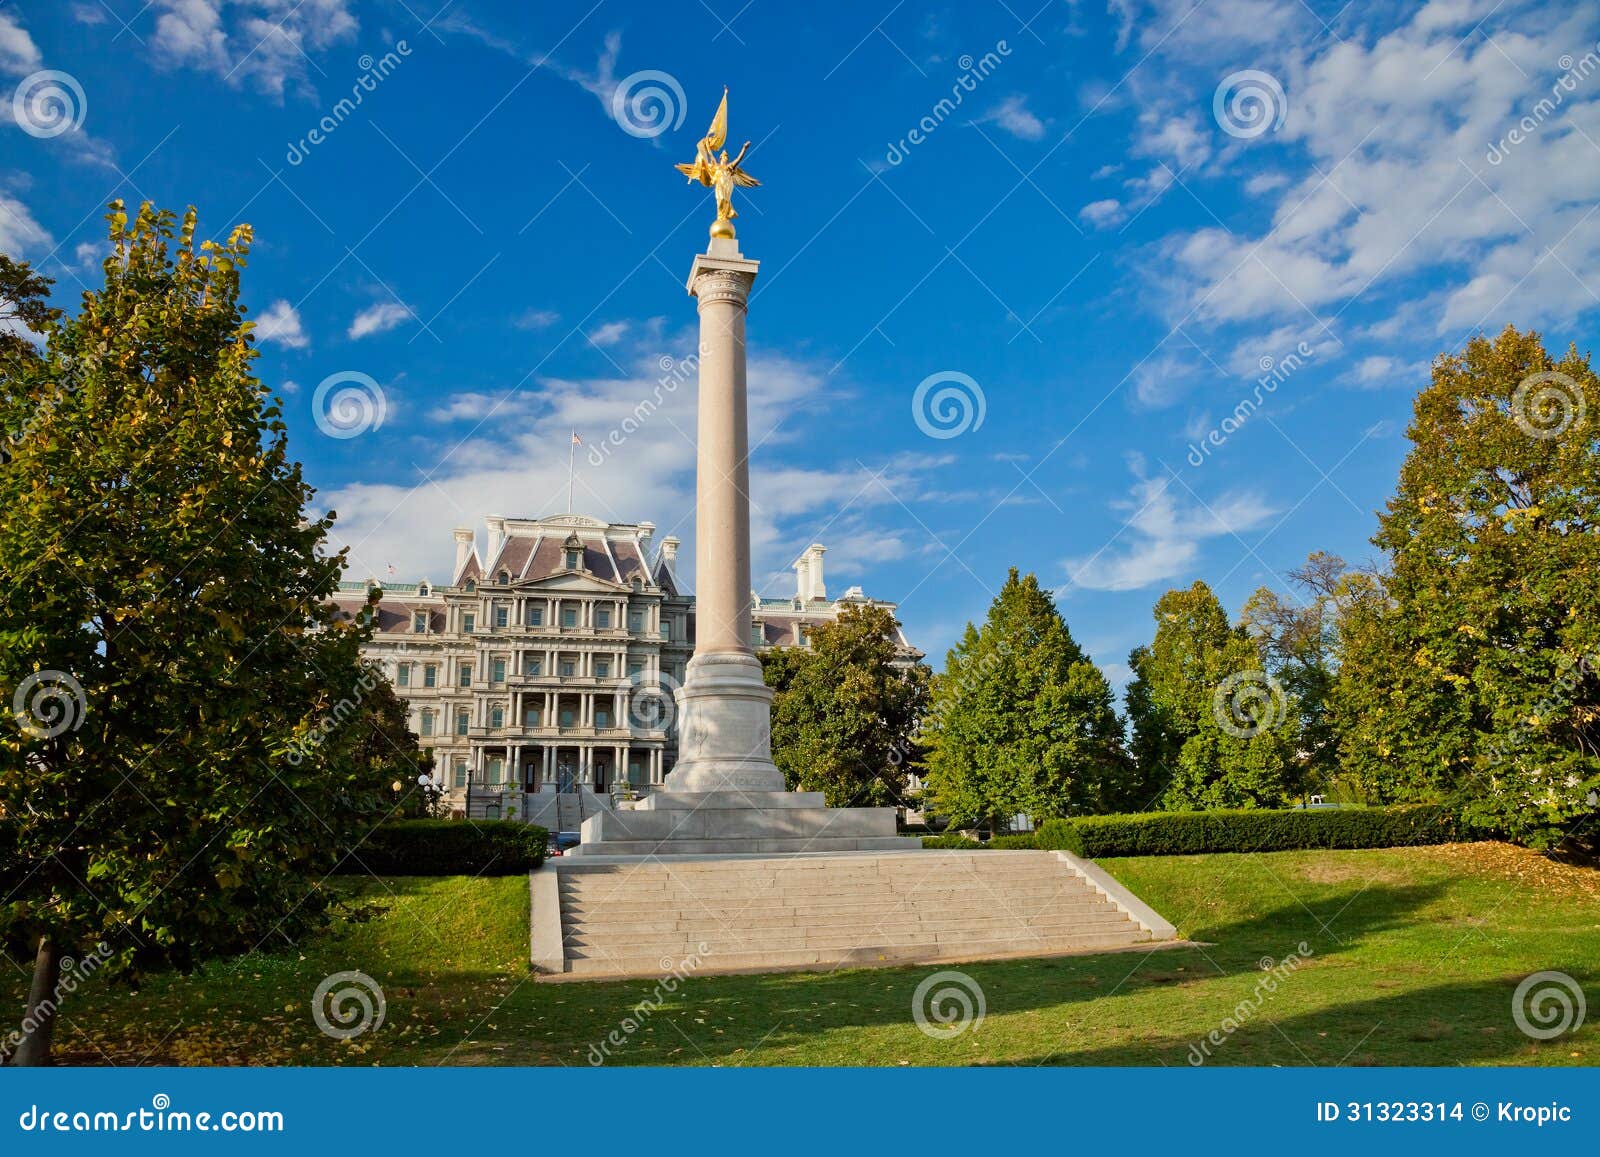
(1400, 204)
(87, 13)
(1013, 115)
(20, 233)
(637, 462)
(262, 42)
(1163, 534)
(1102, 214)
(18, 53)
(280, 322)
(609, 334)
(536, 319)
(380, 318)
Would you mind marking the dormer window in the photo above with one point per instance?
(472, 587)
(572, 560)
(419, 623)
(572, 551)
(505, 578)
(422, 590)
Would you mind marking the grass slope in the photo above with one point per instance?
(1414, 955)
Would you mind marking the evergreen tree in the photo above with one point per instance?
(1479, 680)
(846, 710)
(1022, 720)
(1210, 727)
(168, 788)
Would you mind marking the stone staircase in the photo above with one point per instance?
(645, 918)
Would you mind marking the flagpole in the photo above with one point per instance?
(572, 451)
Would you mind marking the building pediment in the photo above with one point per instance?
(575, 581)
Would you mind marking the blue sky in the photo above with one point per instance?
(1133, 216)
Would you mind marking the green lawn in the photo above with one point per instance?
(1414, 957)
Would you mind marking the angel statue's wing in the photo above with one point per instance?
(691, 170)
(717, 134)
(744, 179)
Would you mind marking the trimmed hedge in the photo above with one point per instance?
(1023, 840)
(1188, 833)
(450, 848)
(957, 842)
(1017, 841)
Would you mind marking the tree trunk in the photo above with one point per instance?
(40, 1022)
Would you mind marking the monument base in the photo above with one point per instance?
(724, 727)
(700, 823)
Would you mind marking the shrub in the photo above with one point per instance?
(450, 848)
(1188, 833)
(958, 842)
(1024, 841)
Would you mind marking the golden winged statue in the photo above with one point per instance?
(718, 172)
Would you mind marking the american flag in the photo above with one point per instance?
(576, 441)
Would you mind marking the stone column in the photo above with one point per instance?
(725, 710)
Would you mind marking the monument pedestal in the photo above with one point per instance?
(731, 822)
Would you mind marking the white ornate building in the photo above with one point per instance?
(541, 675)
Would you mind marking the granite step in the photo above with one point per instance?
(786, 918)
(904, 932)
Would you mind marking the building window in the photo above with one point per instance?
(497, 717)
(463, 721)
(800, 634)
(459, 775)
(497, 671)
(505, 578)
(469, 622)
(602, 618)
(466, 675)
(572, 560)
(427, 723)
(566, 718)
(531, 717)
(602, 717)
(602, 668)
(471, 586)
(502, 616)
(635, 667)
(636, 622)
(533, 668)
(568, 668)
(402, 675)
(422, 590)
(419, 623)
(497, 771)
(569, 616)
(535, 616)
(430, 675)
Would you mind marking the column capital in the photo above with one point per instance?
(722, 276)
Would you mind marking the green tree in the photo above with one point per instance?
(168, 791)
(1210, 727)
(846, 710)
(1478, 680)
(1022, 720)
